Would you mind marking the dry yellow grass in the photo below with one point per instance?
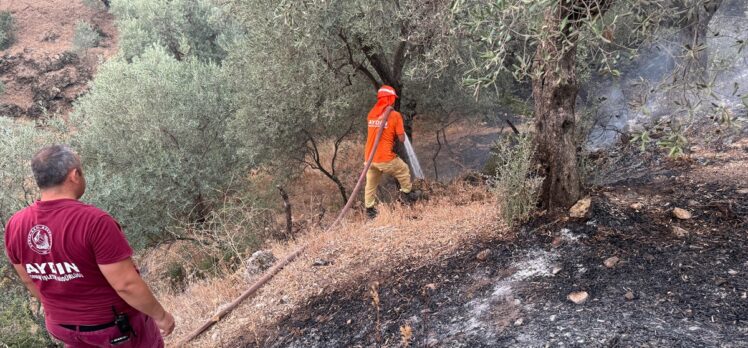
(359, 250)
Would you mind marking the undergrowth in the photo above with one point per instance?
(86, 36)
(7, 30)
(21, 320)
(515, 181)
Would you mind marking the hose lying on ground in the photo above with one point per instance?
(293, 255)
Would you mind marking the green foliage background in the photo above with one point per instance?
(152, 135)
(19, 325)
(185, 28)
(85, 36)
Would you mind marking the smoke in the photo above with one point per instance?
(645, 93)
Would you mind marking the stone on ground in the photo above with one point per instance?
(483, 255)
(581, 208)
(259, 262)
(578, 297)
(680, 232)
(629, 296)
(681, 213)
(611, 261)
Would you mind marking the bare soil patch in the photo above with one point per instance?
(39, 70)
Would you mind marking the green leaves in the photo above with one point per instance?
(515, 181)
(674, 142)
(643, 139)
(86, 36)
(186, 28)
(153, 137)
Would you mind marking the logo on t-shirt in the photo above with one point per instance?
(40, 239)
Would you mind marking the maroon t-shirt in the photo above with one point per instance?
(60, 243)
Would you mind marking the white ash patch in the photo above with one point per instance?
(487, 316)
(570, 236)
(539, 263)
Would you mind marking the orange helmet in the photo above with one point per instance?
(386, 91)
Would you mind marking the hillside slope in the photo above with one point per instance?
(448, 274)
(39, 70)
(675, 282)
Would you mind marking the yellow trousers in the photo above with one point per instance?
(396, 167)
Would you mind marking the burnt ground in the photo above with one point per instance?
(689, 290)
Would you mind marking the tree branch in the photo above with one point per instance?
(287, 209)
(337, 145)
(358, 66)
(378, 62)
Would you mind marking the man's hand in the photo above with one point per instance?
(165, 324)
(125, 279)
(27, 281)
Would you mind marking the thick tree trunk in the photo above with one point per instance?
(554, 90)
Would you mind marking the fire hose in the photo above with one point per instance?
(270, 273)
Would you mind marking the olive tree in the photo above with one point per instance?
(547, 42)
(19, 140)
(309, 70)
(152, 135)
(288, 104)
(186, 28)
(378, 42)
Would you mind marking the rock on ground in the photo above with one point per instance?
(578, 297)
(681, 213)
(581, 208)
(259, 262)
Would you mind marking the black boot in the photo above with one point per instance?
(411, 197)
(371, 212)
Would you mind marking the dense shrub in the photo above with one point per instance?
(86, 36)
(152, 136)
(516, 183)
(186, 28)
(19, 140)
(7, 29)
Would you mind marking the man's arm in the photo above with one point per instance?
(123, 277)
(27, 281)
(400, 127)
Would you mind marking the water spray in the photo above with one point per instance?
(413, 159)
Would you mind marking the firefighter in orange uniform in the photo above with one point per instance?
(385, 160)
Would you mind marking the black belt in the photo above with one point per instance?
(87, 328)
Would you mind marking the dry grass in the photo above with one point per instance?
(312, 191)
(360, 251)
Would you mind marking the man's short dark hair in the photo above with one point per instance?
(52, 164)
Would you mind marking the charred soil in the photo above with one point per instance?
(677, 282)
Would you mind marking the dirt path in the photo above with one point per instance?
(687, 290)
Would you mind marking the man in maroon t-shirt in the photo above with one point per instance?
(75, 259)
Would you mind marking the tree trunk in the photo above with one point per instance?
(694, 36)
(554, 90)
